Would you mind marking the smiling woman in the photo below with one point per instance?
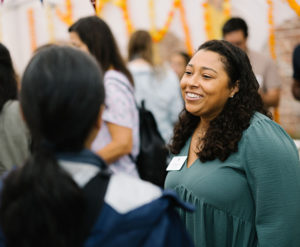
(205, 85)
(238, 164)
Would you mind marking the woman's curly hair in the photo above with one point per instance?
(225, 131)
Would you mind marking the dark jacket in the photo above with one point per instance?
(134, 213)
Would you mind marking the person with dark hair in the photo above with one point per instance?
(118, 141)
(239, 168)
(155, 84)
(296, 73)
(64, 196)
(179, 61)
(14, 136)
(235, 30)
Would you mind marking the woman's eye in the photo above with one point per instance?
(188, 72)
(206, 76)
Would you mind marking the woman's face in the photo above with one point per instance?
(77, 42)
(204, 85)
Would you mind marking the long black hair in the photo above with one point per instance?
(97, 36)
(225, 131)
(8, 78)
(62, 92)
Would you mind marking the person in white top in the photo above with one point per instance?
(118, 140)
(156, 84)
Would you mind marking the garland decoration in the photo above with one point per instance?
(31, 22)
(271, 29)
(122, 4)
(295, 6)
(157, 34)
(50, 25)
(68, 16)
(207, 21)
(214, 19)
(98, 5)
(152, 16)
(227, 9)
(272, 45)
(188, 40)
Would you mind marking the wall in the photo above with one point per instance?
(16, 34)
(287, 37)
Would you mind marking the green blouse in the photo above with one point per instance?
(251, 199)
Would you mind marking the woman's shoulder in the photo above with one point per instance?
(11, 113)
(257, 116)
(11, 106)
(117, 78)
(267, 132)
(115, 75)
(260, 121)
(139, 64)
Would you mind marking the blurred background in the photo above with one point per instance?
(274, 29)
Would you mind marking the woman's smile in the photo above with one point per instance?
(192, 96)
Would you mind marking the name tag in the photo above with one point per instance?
(176, 163)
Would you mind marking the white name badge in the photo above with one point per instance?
(176, 163)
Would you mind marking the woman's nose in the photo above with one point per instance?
(192, 81)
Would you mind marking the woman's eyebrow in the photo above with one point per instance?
(203, 68)
(207, 68)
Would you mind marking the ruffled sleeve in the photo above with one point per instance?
(119, 102)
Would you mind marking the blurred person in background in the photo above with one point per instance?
(14, 136)
(178, 62)
(296, 73)
(235, 30)
(155, 84)
(118, 140)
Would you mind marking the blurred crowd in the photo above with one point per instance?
(70, 139)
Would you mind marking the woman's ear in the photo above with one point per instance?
(235, 89)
